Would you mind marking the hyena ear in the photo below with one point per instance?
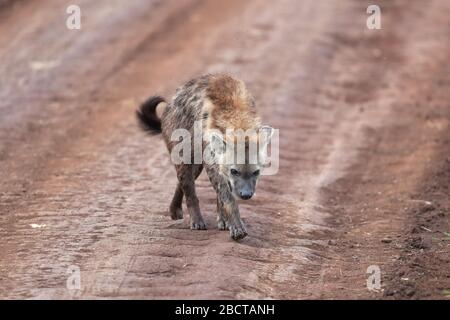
(218, 145)
(265, 134)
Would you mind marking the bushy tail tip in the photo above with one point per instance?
(146, 115)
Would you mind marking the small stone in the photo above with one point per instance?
(419, 243)
(410, 293)
(390, 293)
(386, 240)
(427, 206)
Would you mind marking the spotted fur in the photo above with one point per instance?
(221, 102)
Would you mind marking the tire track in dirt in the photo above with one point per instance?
(57, 181)
(92, 217)
(382, 218)
(60, 183)
(104, 193)
(43, 110)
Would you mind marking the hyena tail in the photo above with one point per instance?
(147, 117)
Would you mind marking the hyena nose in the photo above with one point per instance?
(245, 195)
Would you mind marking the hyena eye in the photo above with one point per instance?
(234, 172)
(256, 173)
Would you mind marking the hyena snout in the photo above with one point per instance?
(246, 194)
(245, 190)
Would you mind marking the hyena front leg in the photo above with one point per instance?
(229, 208)
(221, 220)
(186, 177)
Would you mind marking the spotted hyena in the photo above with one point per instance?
(220, 104)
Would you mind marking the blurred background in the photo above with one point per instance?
(361, 100)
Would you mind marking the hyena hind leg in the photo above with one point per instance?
(197, 170)
(176, 211)
(186, 176)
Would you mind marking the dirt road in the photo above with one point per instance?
(364, 149)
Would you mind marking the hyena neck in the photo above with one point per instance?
(228, 105)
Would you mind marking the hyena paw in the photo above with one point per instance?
(176, 214)
(198, 225)
(222, 225)
(238, 233)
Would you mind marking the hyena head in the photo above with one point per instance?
(241, 157)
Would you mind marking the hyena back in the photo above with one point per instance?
(218, 102)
